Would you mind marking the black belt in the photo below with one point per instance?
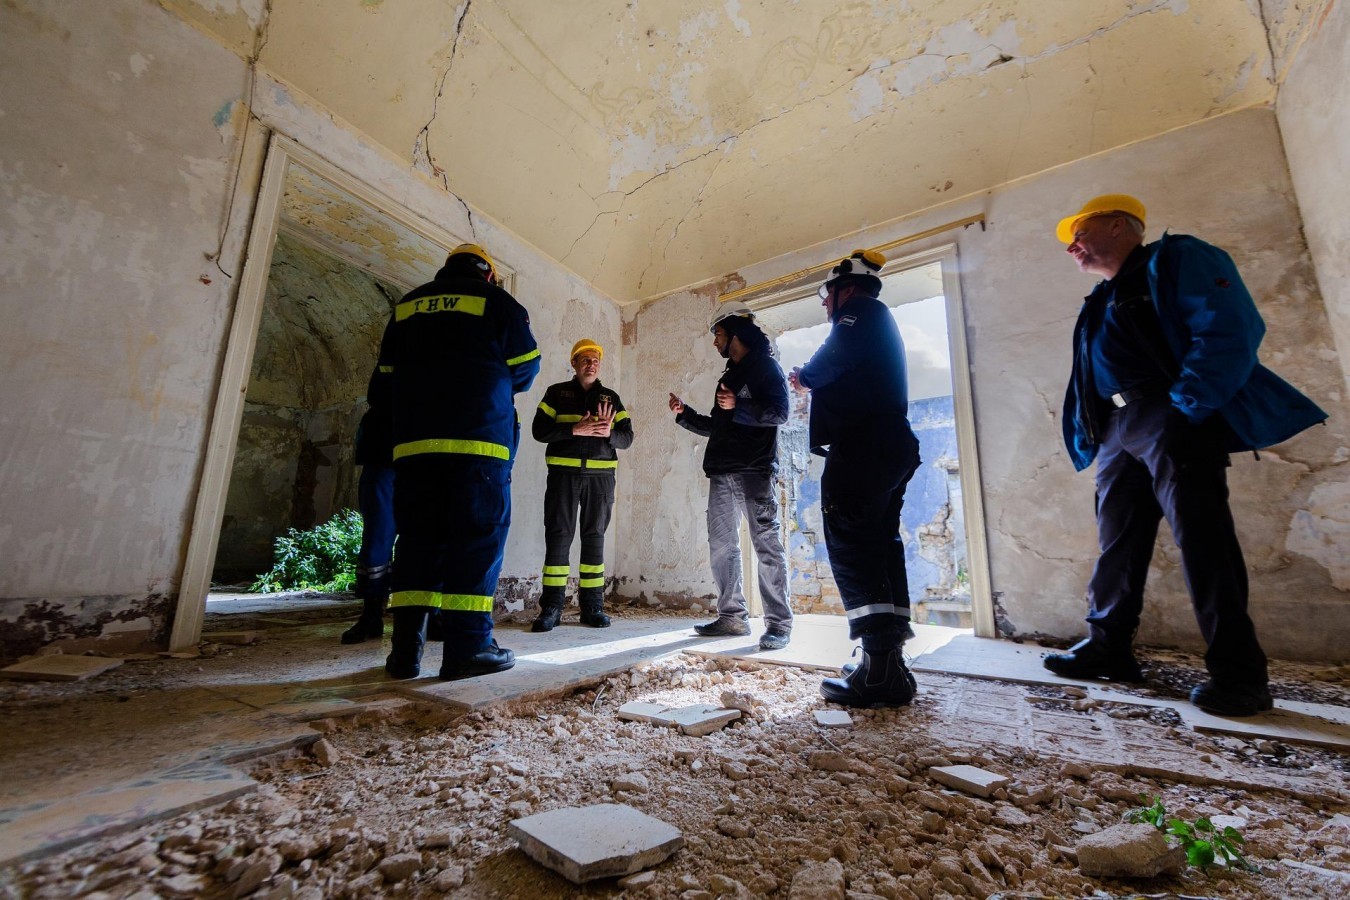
(1135, 394)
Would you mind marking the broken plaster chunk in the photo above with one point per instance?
(60, 668)
(833, 718)
(607, 840)
(819, 881)
(1128, 851)
(635, 782)
(700, 720)
(971, 779)
(325, 752)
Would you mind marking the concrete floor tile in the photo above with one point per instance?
(604, 841)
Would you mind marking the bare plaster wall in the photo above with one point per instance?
(118, 165)
(1314, 115)
(1224, 180)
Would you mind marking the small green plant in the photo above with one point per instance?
(1204, 844)
(322, 558)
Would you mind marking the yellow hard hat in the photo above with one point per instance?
(1106, 203)
(587, 344)
(487, 265)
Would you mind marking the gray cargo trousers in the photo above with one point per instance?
(730, 496)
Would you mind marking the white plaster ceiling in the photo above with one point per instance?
(652, 144)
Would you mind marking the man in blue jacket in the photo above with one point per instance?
(1165, 385)
(740, 461)
(457, 349)
(859, 409)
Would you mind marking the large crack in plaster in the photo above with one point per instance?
(421, 151)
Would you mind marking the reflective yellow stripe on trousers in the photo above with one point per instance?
(555, 576)
(437, 600)
(592, 575)
(574, 463)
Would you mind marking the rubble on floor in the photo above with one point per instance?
(414, 800)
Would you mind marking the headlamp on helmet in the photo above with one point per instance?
(480, 259)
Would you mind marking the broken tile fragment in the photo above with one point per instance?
(700, 720)
(607, 840)
(971, 779)
(833, 718)
(60, 667)
(642, 711)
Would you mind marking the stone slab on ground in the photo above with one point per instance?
(59, 667)
(1305, 725)
(40, 827)
(1128, 851)
(971, 779)
(642, 711)
(552, 662)
(607, 840)
(833, 718)
(700, 720)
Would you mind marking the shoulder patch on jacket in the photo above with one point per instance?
(848, 320)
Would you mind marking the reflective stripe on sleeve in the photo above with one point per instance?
(548, 410)
(524, 357)
(445, 445)
(437, 600)
(620, 416)
(569, 418)
(386, 369)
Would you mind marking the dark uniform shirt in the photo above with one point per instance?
(567, 403)
(1125, 337)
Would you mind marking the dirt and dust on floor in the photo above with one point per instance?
(400, 797)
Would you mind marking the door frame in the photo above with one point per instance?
(236, 367)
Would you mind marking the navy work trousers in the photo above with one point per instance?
(564, 495)
(861, 493)
(1154, 462)
(453, 513)
(375, 496)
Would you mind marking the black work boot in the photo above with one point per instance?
(1229, 698)
(881, 679)
(410, 636)
(369, 625)
(849, 668)
(548, 619)
(721, 627)
(1095, 659)
(593, 612)
(491, 658)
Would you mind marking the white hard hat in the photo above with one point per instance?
(727, 310)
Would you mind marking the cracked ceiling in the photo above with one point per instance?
(652, 145)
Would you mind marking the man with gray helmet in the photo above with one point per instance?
(740, 461)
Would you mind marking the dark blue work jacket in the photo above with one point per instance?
(456, 351)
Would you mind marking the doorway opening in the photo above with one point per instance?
(942, 522)
(327, 257)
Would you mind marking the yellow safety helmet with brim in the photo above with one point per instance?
(1099, 206)
(485, 262)
(859, 262)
